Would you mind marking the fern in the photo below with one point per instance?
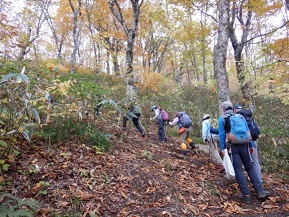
(12, 206)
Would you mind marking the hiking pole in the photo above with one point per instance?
(165, 131)
(129, 125)
(209, 157)
(142, 126)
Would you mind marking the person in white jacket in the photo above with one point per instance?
(210, 143)
(161, 123)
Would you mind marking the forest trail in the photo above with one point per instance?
(137, 177)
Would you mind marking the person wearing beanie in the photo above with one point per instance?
(240, 156)
(210, 143)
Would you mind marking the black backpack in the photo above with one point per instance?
(253, 127)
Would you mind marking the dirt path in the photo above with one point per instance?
(138, 177)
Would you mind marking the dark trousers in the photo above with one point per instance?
(135, 122)
(240, 157)
(161, 131)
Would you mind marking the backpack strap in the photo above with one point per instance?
(227, 124)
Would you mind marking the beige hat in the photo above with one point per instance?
(227, 104)
(206, 116)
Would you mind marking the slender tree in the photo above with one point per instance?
(220, 52)
(114, 6)
(287, 4)
(34, 16)
(77, 14)
(59, 30)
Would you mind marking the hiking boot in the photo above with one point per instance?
(185, 153)
(221, 169)
(263, 194)
(192, 145)
(124, 129)
(143, 135)
(246, 199)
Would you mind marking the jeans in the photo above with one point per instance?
(161, 131)
(240, 157)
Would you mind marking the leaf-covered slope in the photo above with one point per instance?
(138, 177)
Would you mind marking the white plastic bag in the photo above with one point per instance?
(227, 163)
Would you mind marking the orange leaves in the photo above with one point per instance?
(156, 83)
(151, 81)
(279, 48)
(233, 207)
(125, 182)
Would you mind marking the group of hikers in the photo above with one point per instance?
(236, 134)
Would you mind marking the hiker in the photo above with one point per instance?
(211, 142)
(50, 99)
(184, 122)
(133, 113)
(247, 114)
(98, 104)
(160, 121)
(239, 149)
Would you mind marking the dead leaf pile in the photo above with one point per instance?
(137, 177)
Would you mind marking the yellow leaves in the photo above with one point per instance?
(57, 68)
(151, 81)
(263, 7)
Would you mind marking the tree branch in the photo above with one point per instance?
(267, 33)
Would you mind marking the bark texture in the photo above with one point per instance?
(220, 52)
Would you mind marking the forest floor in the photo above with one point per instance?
(137, 177)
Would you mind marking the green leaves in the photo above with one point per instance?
(4, 166)
(3, 144)
(13, 206)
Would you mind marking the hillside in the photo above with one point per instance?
(137, 177)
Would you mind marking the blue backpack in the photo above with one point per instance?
(184, 120)
(237, 129)
(253, 127)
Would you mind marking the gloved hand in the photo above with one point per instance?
(223, 152)
(151, 119)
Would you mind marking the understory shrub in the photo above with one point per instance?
(67, 129)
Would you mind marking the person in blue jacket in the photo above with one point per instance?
(240, 157)
(238, 109)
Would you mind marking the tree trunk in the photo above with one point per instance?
(107, 62)
(188, 74)
(220, 53)
(33, 31)
(287, 4)
(76, 32)
(238, 49)
(130, 34)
